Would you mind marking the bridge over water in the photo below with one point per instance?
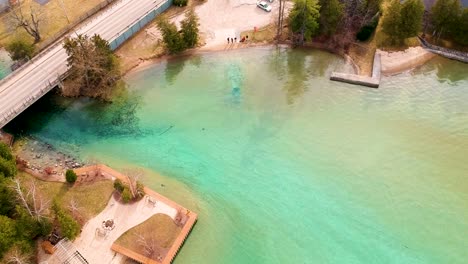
(116, 24)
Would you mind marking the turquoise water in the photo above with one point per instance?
(282, 165)
(5, 63)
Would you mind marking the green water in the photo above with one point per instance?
(282, 165)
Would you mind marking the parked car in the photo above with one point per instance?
(263, 5)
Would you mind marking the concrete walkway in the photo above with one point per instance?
(97, 249)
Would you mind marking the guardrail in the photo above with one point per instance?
(119, 38)
(52, 42)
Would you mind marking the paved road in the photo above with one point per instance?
(23, 87)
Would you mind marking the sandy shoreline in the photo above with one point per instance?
(401, 61)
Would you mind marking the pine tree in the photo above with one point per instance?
(331, 13)
(391, 19)
(304, 19)
(172, 39)
(444, 16)
(403, 21)
(411, 18)
(190, 29)
(461, 30)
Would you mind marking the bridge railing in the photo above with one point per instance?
(138, 24)
(114, 43)
(56, 39)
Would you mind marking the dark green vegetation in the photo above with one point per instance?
(31, 208)
(21, 220)
(450, 20)
(20, 50)
(331, 13)
(403, 21)
(68, 225)
(333, 21)
(7, 162)
(176, 41)
(70, 176)
(133, 191)
(304, 20)
(94, 68)
(180, 2)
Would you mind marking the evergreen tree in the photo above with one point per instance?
(331, 13)
(20, 50)
(172, 39)
(445, 15)
(304, 19)
(391, 19)
(461, 35)
(411, 18)
(7, 162)
(402, 21)
(7, 234)
(93, 67)
(190, 29)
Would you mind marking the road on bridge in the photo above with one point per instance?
(24, 86)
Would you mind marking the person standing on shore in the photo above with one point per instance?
(228, 40)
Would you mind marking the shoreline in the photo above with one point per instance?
(148, 63)
(401, 62)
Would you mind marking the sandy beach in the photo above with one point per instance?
(401, 61)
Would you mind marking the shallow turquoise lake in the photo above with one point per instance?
(283, 165)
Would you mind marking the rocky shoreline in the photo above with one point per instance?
(42, 160)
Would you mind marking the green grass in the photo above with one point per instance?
(91, 198)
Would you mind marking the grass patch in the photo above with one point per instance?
(54, 15)
(159, 229)
(90, 199)
(264, 34)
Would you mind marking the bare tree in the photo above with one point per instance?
(133, 185)
(31, 200)
(15, 256)
(149, 245)
(29, 21)
(74, 208)
(282, 4)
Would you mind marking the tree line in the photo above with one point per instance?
(177, 41)
(341, 22)
(25, 214)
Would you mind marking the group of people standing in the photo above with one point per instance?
(234, 40)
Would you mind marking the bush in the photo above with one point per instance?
(7, 162)
(126, 195)
(367, 30)
(7, 168)
(180, 2)
(20, 50)
(70, 175)
(365, 33)
(68, 226)
(7, 234)
(119, 186)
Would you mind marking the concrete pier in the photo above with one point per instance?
(372, 82)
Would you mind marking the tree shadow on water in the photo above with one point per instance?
(173, 69)
(295, 85)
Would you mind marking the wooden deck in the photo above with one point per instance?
(179, 241)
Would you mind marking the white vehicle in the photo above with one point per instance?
(263, 5)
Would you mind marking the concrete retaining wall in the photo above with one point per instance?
(448, 53)
(373, 81)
